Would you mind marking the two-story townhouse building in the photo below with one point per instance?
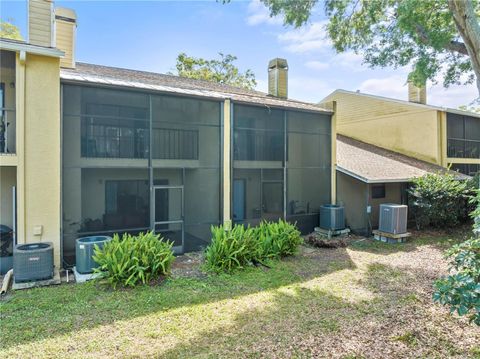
(103, 150)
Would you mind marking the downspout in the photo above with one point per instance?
(20, 78)
(367, 197)
(61, 177)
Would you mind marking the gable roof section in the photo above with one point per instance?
(113, 76)
(372, 164)
(413, 105)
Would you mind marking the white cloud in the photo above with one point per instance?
(312, 37)
(262, 85)
(309, 89)
(350, 61)
(392, 86)
(258, 14)
(395, 87)
(317, 65)
(452, 97)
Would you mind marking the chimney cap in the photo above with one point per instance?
(278, 63)
(63, 12)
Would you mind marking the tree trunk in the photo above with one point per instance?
(469, 29)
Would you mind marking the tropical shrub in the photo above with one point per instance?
(241, 247)
(461, 290)
(439, 200)
(230, 249)
(131, 260)
(277, 239)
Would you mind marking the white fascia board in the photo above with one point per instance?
(31, 49)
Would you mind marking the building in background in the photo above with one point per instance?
(442, 136)
(384, 143)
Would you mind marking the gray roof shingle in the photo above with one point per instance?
(114, 76)
(373, 164)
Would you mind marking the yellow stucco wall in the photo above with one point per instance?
(413, 130)
(38, 175)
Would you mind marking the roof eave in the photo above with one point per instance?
(31, 49)
(209, 94)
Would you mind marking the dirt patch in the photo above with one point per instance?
(318, 242)
(188, 265)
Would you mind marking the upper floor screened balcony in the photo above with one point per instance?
(463, 136)
(114, 127)
(7, 103)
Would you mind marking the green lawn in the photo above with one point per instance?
(368, 300)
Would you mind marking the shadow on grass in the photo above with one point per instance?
(42, 313)
(441, 239)
(311, 322)
(281, 329)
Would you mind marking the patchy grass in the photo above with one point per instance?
(368, 300)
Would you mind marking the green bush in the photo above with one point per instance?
(461, 290)
(230, 249)
(277, 239)
(134, 259)
(241, 247)
(439, 200)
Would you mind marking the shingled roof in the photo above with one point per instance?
(372, 164)
(113, 76)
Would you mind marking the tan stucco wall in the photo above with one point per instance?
(39, 165)
(392, 195)
(409, 129)
(352, 194)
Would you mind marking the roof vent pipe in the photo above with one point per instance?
(278, 78)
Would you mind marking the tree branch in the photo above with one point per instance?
(454, 46)
(466, 21)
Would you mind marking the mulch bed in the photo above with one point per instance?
(318, 242)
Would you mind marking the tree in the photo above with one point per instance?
(222, 71)
(9, 31)
(433, 36)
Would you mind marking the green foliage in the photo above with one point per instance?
(9, 31)
(397, 33)
(461, 290)
(230, 249)
(222, 71)
(277, 239)
(475, 201)
(241, 247)
(439, 200)
(134, 259)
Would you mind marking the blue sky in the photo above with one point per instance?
(149, 35)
